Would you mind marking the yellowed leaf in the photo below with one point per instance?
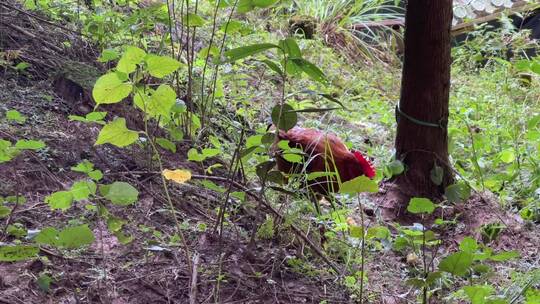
(178, 175)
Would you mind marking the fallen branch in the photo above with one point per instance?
(193, 288)
(32, 36)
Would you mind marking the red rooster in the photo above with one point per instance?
(325, 152)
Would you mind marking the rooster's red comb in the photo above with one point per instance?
(367, 167)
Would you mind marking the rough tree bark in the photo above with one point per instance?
(424, 100)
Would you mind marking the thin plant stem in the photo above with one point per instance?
(166, 189)
(362, 251)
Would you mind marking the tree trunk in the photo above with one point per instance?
(422, 136)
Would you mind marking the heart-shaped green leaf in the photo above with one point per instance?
(120, 193)
(116, 133)
(284, 117)
(359, 185)
(75, 237)
(110, 88)
(420, 205)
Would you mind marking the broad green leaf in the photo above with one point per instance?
(481, 268)
(275, 176)
(310, 69)
(47, 236)
(290, 66)
(379, 232)
(268, 138)
(194, 155)
(116, 133)
(507, 156)
(193, 20)
(254, 140)
(247, 152)
(284, 117)
(457, 192)
(159, 104)
(245, 51)
(477, 293)
(30, 4)
(166, 144)
(292, 158)
(162, 101)
(15, 116)
(24, 144)
(457, 264)
(161, 66)
(523, 65)
(400, 243)
(129, 60)
(176, 133)
(75, 237)
(396, 167)
(21, 66)
(17, 230)
(212, 186)
(356, 232)
(114, 224)
(87, 167)
(284, 145)
(16, 199)
(95, 175)
(208, 52)
(108, 55)
(420, 205)
(123, 238)
(533, 135)
(110, 88)
(84, 167)
(60, 200)
(535, 67)
(234, 26)
(83, 189)
(210, 152)
(7, 151)
(533, 122)
(244, 6)
(241, 196)
(121, 193)
(290, 47)
(468, 244)
(505, 256)
(532, 296)
(315, 175)
(4, 211)
(359, 185)
(18, 253)
(96, 117)
(273, 66)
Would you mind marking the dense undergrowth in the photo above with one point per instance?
(177, 151)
